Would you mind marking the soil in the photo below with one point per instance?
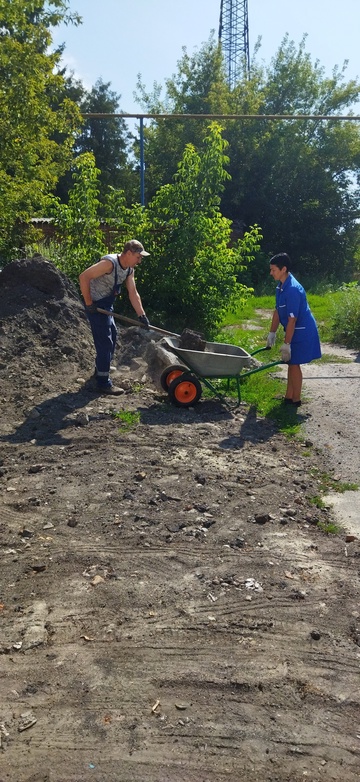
(170, 608)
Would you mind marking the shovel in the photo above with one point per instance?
(136, 323)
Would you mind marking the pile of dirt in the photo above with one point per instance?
(192, 340)
(44, 332)
(170, 607)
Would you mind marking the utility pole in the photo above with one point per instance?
(234, 38)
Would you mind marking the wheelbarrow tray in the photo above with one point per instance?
(218, 360)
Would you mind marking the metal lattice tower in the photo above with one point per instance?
(234, 38)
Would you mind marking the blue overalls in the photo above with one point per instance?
(104, 334)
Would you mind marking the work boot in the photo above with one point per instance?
(111, 390)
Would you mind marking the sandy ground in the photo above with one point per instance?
(331, 420)
(171, 608)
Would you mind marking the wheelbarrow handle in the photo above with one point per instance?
(133, 322)
(259, 350)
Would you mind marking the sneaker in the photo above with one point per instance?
(111, 390)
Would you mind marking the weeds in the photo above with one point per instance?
(327, 483)
(329, 358)
(318, 502)
(128, 419)
(329, 527)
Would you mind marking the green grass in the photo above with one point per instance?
(128, 419)
(322, 308)
(329, 527)
(264, 392)
(317, 501)
(346, 316)
(330, 358)
(258, 310)
(328, 483)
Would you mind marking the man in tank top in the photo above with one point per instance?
(100, 284)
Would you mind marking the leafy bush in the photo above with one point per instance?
(345, 319)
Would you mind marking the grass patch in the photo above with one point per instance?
(257, 310)
(329, 358)
(317, 501)
(128, 419)
(322, 308)
(264, 392)
(329, 527)
(328, 483)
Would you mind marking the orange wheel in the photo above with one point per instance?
(171, 373)
(185, 390)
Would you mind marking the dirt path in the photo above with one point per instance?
(331, 420)
(170, 609)
(334, 391)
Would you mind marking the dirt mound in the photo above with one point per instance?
(43, 326)
(38, 274)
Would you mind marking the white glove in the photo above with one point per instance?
(285, 352)
(271, 337)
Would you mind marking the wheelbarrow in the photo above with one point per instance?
(183, 381)
(218, 361)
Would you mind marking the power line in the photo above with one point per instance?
(262, 117)
(332, 117)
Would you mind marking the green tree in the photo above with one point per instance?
(35, 140)
(81, 241)
(79, 238)
(108, 139)
(123, 222)
(192, 277)
(297, 179)
(198, 87)
(70, 88)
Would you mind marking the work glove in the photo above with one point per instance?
(271, 337)
(285, 352)
(144, 321)
(91, 307)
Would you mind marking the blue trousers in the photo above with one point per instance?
(104, 335)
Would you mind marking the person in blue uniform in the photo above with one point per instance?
(100, 285)
(292, 312)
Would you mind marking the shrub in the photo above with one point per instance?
(345, 319)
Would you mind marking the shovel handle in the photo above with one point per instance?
(133, 322)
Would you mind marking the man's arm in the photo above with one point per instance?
(134, 296)
(97, 270)
(275, 321)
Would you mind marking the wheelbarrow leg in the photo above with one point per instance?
(222, 397)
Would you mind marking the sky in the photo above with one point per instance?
(120, 38)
